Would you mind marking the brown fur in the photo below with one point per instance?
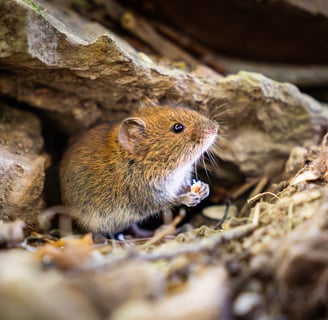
(115, 175)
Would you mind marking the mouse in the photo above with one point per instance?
(118, 174)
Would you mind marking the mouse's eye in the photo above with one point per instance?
(178, 127)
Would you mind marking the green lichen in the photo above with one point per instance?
(33, 5)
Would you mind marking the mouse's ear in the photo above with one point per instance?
(131, 132)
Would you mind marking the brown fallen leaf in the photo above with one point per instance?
(71, 254)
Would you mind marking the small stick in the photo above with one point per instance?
(238, 192)
(259, 187)
(260, 195)
(48, 214)
(165, 230)
(225, 215)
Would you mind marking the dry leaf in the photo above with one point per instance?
(71, 255)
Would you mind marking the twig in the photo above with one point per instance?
(246, 186)
(259, 187)
(46, 215)
(260, 195)
(225, 215)
(165, 230)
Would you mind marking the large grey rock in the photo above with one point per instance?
(22, 165)
(266, 120)
(81, 73)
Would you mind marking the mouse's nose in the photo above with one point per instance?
(213, 127)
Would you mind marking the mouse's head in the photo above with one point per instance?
(169, 136)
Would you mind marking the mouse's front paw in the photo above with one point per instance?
(201, 188)
(190, 199)
(199, 191)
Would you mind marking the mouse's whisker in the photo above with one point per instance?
(205, 168)
(209, 157)
(213, 160)
(224, 113)
(213, 111)
(195, 169)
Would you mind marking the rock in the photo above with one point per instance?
(217, 212)
(246, 302)
(109, 289)
(28, 292)
(266, 121)
(81, 73)
(206, 297)
(22, 165)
